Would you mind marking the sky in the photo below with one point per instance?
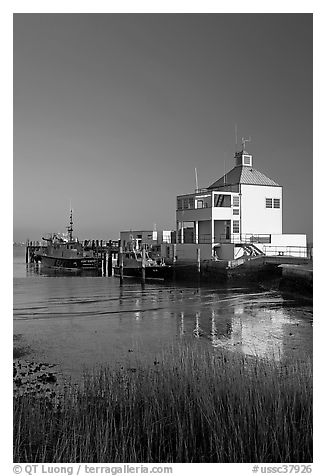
(113, 112)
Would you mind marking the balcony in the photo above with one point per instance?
(224, 238)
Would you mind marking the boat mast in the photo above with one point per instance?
(70, 228)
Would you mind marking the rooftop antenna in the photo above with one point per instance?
(196, 178)
(244, 143)
(224, 178)
(236, 135)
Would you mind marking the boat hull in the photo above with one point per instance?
(155, 273)
(71, 264)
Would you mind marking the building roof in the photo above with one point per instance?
(241, 174)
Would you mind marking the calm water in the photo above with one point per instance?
(79, 322)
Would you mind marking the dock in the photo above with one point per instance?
(297, 278)
(293, 273)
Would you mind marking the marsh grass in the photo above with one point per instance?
(192, 406)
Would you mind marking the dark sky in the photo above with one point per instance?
(114, 111)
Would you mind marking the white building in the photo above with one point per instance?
(239, 214)
(149, 238)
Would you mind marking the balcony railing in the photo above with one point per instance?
(224, 238)
(296, 251)
(245, 238)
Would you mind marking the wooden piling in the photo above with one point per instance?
(109, 263)
(198, 265)
(198, 260)
(143, 266)
(103, 258)
(174, 259)
(121, 264)
(27, 251)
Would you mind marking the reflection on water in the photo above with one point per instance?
(37, 269)
(82, 321)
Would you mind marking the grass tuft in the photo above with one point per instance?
(192, 406)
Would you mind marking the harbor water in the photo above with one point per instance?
(80, 322)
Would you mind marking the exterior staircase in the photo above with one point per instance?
(252, 249)
(251, 252)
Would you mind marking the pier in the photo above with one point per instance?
(297, 277)
(33, 248)
(293, 272)
(254, 269)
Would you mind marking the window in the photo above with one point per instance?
(191, 202)
(273, 202)
(247, 159)
(222, 200)
(179, 204)
(269, 203)
(236, 211)
(200, 203)
(185, 203)
(236, 201)
(236, 226)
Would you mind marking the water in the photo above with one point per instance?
(79, 322)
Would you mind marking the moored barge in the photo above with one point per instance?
(138, 264)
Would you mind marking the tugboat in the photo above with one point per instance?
(68, 254)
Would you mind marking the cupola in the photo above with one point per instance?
(243, 158)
